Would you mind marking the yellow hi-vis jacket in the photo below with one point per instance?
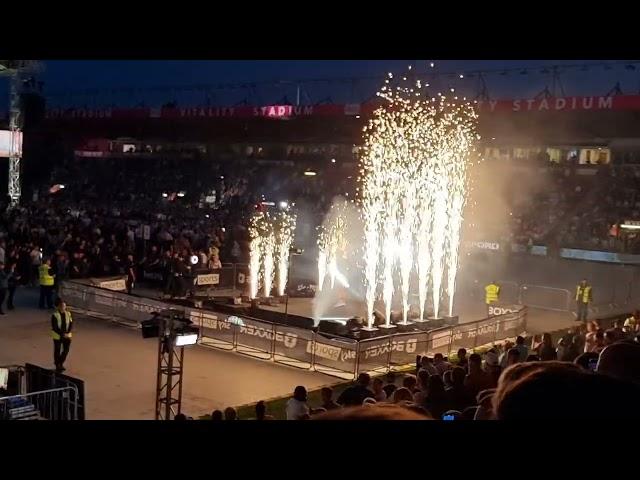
(44, 277)
(63, 328)
(492, 291)
(583, 294)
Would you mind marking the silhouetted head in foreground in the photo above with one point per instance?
(557, 390)
(379, 411)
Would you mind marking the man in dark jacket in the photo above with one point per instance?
(13, 284)
(4, 286)
(355, 394)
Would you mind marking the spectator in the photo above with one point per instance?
(513, 356)
(632, 323)
(505, 353)
(576, 395)
(410, 382)
(230, 413)
(458, 397)
(297, 408)
(12, 283)
(477, 379)
(378, 390)
(485, 406)
(261, 411)
(545, 350)
(610, 337)
(423, 380)
(617, 330)
(621, 360)
(436, 400)
(522, 348)
(355, 394)
(590, 338)
(600, 342)
(426, 363)
(587, 361)
(440, 364)
(4, 286)
(492, 367)
(402, 395)
(373, 412)
(216, 415)
(389, 388)
(181, 417)
(462, 358)
(327, 399)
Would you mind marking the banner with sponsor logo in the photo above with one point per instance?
(254, 335)
(405, 347)
(334, 353)
(439, 340)
(117, 285)
(294, 344)
(214, 327)
(374, 353)
(207, 279)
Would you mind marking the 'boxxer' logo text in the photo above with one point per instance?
(500, 310)
(289, 339)
(410, 345)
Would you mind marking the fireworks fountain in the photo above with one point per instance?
(271, 238)
(332, 242)
(413, 185)
(285, 225)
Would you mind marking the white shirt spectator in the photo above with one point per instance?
(36, 257)
(296, 409)
(1, 254)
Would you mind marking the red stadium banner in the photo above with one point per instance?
(557, 104)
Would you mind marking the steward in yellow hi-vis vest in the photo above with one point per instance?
(584, 296)
(61, 326)
(46, 280)
(491, 295)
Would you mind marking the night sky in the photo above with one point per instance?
(73, 75)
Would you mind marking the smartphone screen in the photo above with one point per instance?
(448, 417)
(593, 363)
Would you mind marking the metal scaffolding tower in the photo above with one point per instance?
(15, 153)
(15, 69)
(170, 361)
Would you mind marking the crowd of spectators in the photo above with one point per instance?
(113, 219)
(561, 206)
(587, 373)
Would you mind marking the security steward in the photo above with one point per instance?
(61, 326)
(491, 295)
(46, 279)
(584, 296)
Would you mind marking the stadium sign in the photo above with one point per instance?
(559, 104)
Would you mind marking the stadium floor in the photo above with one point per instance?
(119, 366)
